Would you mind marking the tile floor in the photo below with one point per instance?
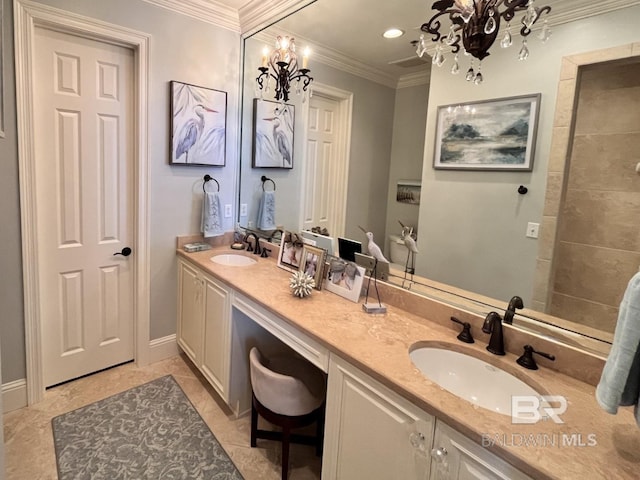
(29, 441)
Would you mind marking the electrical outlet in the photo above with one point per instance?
(533, 229)
(227, 210)
(243, 209)
(250, 224)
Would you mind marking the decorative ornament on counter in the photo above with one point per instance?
(374, 250)
(301, 284)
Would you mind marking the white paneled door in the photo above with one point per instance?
(322, 169)
(83, 119)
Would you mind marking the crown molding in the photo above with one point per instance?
(258, 14)
(332, 58)
(414, 79)
(208, 11)
(573, 10)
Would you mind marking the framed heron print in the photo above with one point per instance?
(198, 125)
(273, 125)
(489, 135)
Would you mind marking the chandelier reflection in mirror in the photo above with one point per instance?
(476, 23)
(280, 65)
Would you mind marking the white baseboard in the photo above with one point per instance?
(163, 348)
(14, 395)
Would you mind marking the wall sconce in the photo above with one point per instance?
(281, 65)
(476, 23)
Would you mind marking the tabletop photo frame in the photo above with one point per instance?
(290, 253)
(344, 278)
(312, 263)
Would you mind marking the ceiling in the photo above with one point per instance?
(348, 34)
(351, 31)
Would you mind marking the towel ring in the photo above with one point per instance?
(208, 177)
(267, 179)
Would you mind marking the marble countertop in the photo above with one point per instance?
(608, 446)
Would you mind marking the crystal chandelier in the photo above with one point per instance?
(476, 24)
(281, 65)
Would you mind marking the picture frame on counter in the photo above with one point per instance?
(344, 278)
(290, 253)
(312, 263)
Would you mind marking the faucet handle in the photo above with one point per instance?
(465, 335)
(527, 360)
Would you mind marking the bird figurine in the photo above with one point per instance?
(373, 248)
(412, 247)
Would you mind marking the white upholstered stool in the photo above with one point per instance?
(289, 393)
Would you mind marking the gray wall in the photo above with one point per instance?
(472, 224)
(373, 106)
(181, 49)
(11, 311)
(407, 153)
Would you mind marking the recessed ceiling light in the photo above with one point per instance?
(393, 33)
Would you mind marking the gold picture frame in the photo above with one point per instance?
(312, 263)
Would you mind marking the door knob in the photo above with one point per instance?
(126, 251)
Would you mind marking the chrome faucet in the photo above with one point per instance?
(255, 250)
(493, 325)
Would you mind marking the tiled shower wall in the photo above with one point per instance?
(597, 249)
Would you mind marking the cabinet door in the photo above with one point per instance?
(189, 311)
(215, 361)
(372, 433)
(455, 457)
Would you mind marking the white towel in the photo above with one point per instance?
(212, 215)
(620, 381)
(267, 211)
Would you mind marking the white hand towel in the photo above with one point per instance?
(267, 211)
(620, 381)
(212, 215)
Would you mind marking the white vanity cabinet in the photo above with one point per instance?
(371, 432)
(204, 324)
(455, 457)
(190, 318)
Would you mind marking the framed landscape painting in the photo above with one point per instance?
(489, 135)
(198, 125)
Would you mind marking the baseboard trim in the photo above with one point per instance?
(163, 348)
(14, 395)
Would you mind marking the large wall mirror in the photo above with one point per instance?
(377, 103)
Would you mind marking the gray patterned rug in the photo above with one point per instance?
(149, 432)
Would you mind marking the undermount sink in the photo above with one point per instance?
(470, 378)
(233, 260)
